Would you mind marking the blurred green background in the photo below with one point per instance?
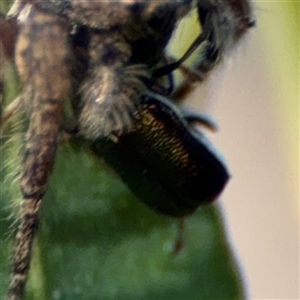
(97, 241)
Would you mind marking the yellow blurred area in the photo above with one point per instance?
(280, 23)
(258, 113)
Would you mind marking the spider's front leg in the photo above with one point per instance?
(42, 61)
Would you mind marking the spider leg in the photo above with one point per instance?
(175, 65)
(223, 24)
(42, 61)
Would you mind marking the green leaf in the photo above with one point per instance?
(97, 241)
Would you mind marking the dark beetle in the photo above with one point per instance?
(172, 167)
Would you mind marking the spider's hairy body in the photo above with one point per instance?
(106, 56)
(116, 44)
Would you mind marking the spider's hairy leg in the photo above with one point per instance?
(42, 61)
(110, 93)
(223, 24)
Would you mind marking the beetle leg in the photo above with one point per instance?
(193, 116)
(179, 240)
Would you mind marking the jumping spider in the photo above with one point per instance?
(110, 58)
